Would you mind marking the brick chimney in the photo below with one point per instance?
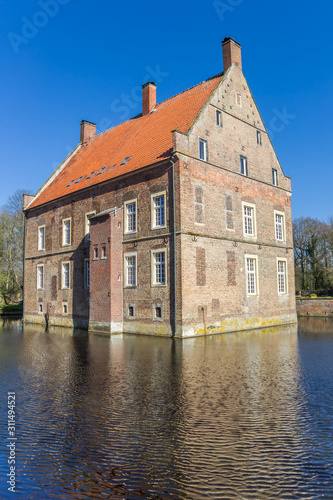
(148, 97)
(232, 54)
(88, 131)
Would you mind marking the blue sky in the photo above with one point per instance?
(67, 60)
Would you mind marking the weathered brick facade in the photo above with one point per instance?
(220, 265)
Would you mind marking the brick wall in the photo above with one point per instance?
(314, 307)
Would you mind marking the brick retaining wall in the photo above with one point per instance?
(314, 307)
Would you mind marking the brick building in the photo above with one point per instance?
(175, 222)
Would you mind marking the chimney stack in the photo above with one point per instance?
(87, 131)
(148, 97)
(232, 54)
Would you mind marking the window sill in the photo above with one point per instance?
(103, 258)
(159, 285)
(95, 258)
(130, 286)
(40, 289)
(65, 288)
(158, 227)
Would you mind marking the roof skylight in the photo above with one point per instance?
(92, 173)
(70, 183)
(125, 161)
(101, 171)
(79, 179)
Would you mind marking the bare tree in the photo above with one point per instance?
(11, 248)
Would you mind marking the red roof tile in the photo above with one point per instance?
(145, 139)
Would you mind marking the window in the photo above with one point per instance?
(86, 273)
(40, 277)
(79, 179)
(159, 267)
(64, 308)
(130, 269)
(103, 253)
(70, 183)
(158, 311)
(130, 216)
(279, 226)
(95, 253)
(125, 161)
(219, 121)
(131, 311)
(282, 276)
(199, 213)
(251, 275)
(91, 174)
(243, 166)
(259, 138)
(275, 177)
(229, 219)
(238, 99)
(40, 307)
(249, 226)
(41, 238)
(158, 210)
(203, 149)
(87, 216)
(66, 232)
(65, 275)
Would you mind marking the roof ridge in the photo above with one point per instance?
(162, 102)
(190, 88)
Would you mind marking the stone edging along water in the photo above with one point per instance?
(314, 306)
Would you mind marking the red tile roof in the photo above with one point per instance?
(145, 139)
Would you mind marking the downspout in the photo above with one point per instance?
(174, 247)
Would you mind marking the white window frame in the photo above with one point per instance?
(64, 243)
(281, 214)
(87, 215)
(95, 253)
(41, 247)
(259, 138)
(154, 210)
(239, 99)
(254, 220)
(219, 118)
(103, 256)
(280, 259)
(126, 268)
(86, 273)
(63, 264)
(275, 178)
(40, 266)
(126, 230)
(205, 149)
(256, 275)
(154, 265)
(244, 165)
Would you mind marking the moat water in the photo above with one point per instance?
(243, 415)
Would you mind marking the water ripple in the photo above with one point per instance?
(244, 416)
